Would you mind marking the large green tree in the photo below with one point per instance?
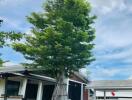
(61, 40)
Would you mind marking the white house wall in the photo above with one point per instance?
(117, 94)
(2, 89)
(124, 99)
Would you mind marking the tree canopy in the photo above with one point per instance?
(62, 35)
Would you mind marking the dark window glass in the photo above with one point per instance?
(74, 92)
(12, 88)
(48, 91)
(31, 91)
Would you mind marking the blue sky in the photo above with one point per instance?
(113, 49)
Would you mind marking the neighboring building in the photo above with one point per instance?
(77, 87)
(16, 83)
(110, 90)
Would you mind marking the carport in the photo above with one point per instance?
(108, 86)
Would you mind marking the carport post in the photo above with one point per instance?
(40, 91)
(67, 81)
(94, 94)
(82, 91)
(22, 90)
(104, 95)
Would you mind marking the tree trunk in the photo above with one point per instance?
(60, 91)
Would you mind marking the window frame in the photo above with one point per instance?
(13, 88)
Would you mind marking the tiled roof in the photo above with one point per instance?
(110, 84)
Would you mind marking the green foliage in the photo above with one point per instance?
(12, 36)
(1, 21)
(4, 36)
(62, 36)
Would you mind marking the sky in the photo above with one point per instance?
(113, 43)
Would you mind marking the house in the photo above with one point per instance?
(18, 83)
(110, 90)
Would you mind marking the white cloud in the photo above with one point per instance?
(12, 23)
(14, 3)
(107, 6)
(108, 73)
(14, 13)
(29, 32)
(105, 9)
(124, 55)
(85, 72)
(130, 77)
(114, 31)
(11, 2)
(8, 64)
(113, 51)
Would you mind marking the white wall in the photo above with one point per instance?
(109, 99)
(115, 99)
(2, 90)
(123, 93)
(125, 99)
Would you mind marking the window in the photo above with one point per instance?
(31, 91)
(74, 91)
(12, 88)
(48, 91)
